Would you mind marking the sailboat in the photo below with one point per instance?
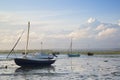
(26, 61)
(71, 54)
(43, 55)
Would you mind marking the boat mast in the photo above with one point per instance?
(71, 46)
(41, 47)
(26, 49)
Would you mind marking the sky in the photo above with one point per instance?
(92, 24)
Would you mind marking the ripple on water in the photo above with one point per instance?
(108, 78)
(115, 73)
(83, 68)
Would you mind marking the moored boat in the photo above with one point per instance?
(33, 61)
(71, 54)
(90, 54)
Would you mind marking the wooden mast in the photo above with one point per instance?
(26, 49)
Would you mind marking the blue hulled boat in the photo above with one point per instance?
(27, 62)
(71, 54)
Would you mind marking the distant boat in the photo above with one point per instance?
(26, 61)
(71, 54)
(90, 54)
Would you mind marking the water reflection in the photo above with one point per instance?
(40, 69)
(97, 67)
(26, 73)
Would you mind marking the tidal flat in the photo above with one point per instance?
(96, 67)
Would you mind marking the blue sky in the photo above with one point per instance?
(86, 8)
(58, 20)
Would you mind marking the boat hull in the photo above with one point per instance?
(90, 54)
(73, 55)
(32, 62)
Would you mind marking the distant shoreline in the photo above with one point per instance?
(63, 51)
(21, 51)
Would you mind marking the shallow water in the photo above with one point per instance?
(97, 67)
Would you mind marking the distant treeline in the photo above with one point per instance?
(21, 51)
(62, 51)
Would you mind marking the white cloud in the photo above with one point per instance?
(101, 27)
(11, 18)
(119, 22)
(57, 36)
(4, 18)
(93, 30)
(79, 34)
(107, 33)
(91, 20)
(8, 36)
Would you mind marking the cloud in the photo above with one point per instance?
(109, 32)
(101, 27)
(96, 30)
(10, 17)
(78, 34)
(8, 36)
(91, 20)
(57, 36)
(4, 18)
(119, 22)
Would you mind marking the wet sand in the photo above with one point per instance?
(97, 67)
